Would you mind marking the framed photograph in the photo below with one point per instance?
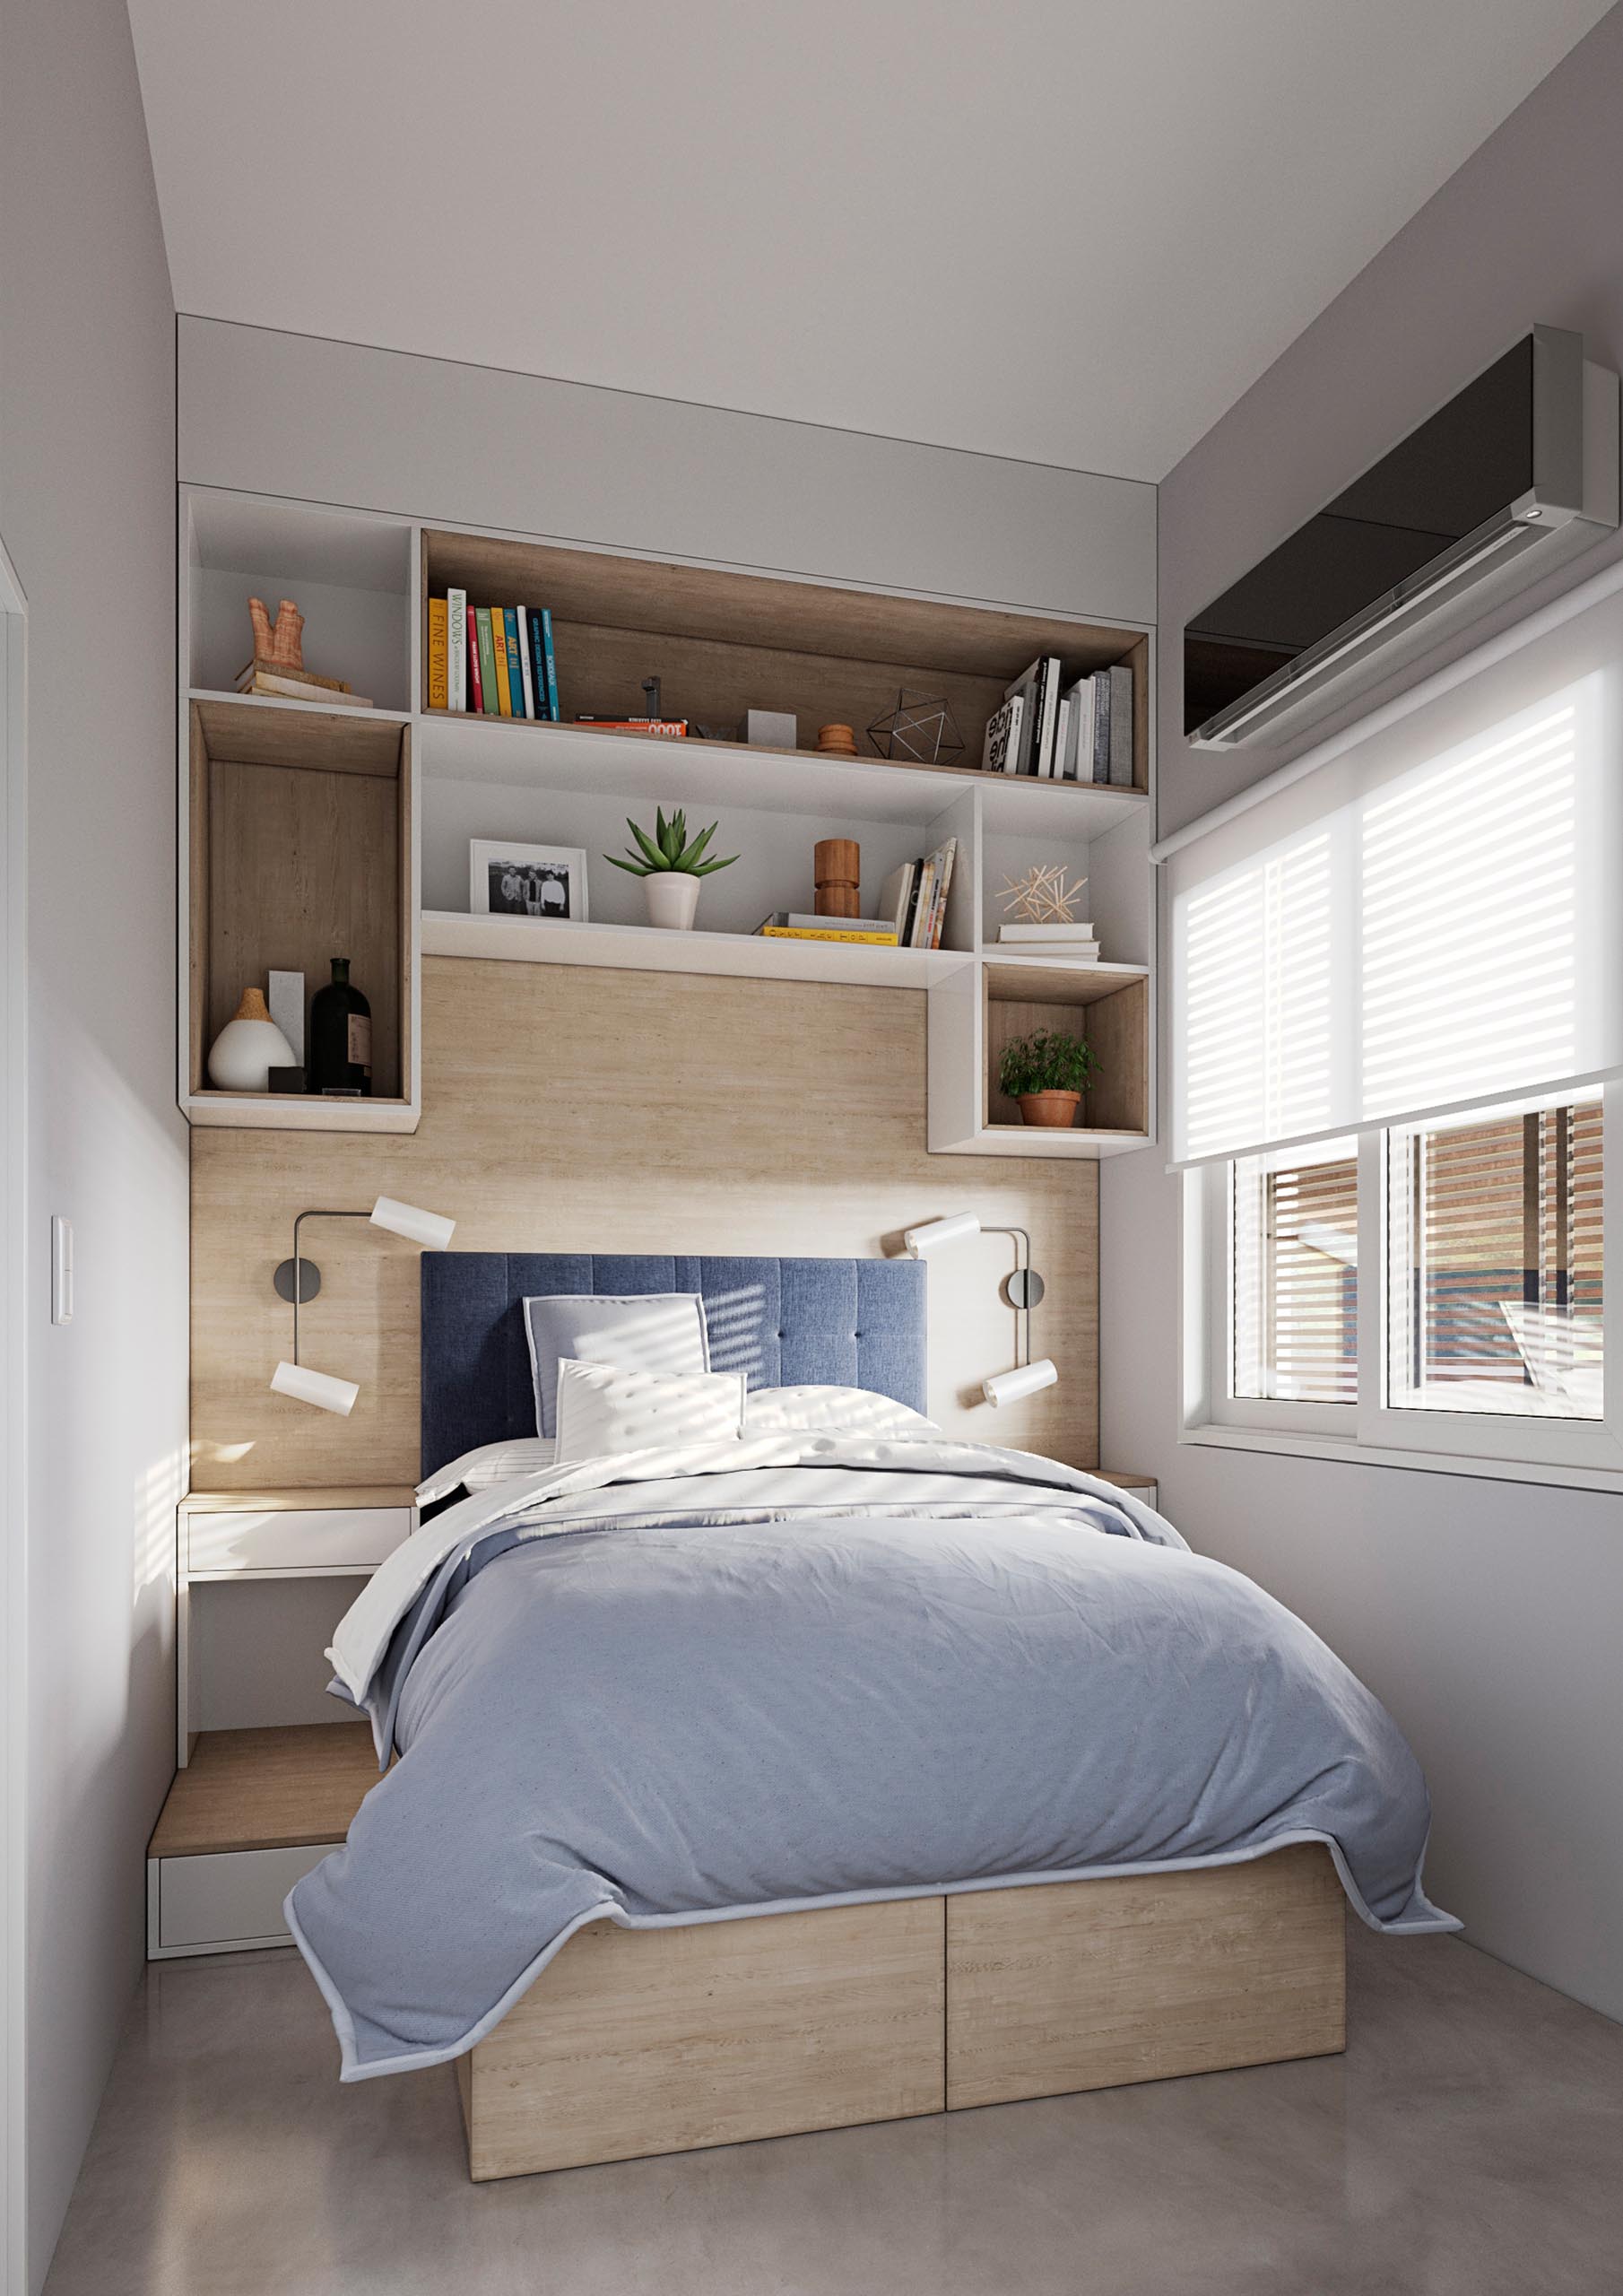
(506, 879)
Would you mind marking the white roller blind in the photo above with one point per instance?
(1438, 933)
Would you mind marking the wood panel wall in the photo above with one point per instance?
(567, 1109)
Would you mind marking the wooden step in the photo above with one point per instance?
(268, 1789)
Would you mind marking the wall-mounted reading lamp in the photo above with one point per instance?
(298, 1280)
(1022, 1289)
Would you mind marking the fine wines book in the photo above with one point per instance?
(338, 1057)
(440, 677)
(457, 650)
(525, 672)
(487, 663)
(509, 615)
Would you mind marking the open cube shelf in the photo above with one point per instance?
(300, 851)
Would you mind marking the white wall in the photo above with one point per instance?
(87, 512)
(1486, 1615)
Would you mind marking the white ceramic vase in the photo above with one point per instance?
(243, 1055)
(673, 896)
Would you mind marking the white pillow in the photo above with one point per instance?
(490, 1464)
(855, 1410)
(601, 1409)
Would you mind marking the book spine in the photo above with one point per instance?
(1121, 726)
(944, 879)
(457, 650)
(918, 936)
(439, 682)
(525, 678)
(1017, 725)
(800, 933)
(538, 665)
(487, 663)
(1032, 761)
(1051, 716)
(915, 872)
(551, 662)
(509, 617)
(1101, 725)
(1062, 737)
(499, 646)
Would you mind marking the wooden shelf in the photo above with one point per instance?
(723, 642)
(641, 948)
(299, 847)
(266, 1789)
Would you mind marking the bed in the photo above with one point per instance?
(828, 1775)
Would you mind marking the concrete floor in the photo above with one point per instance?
(1470, 2142)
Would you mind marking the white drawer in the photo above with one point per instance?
(222, 1903)
(302, 1539)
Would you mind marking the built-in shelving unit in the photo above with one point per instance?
(392, 879)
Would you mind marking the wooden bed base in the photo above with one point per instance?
(638, 2041)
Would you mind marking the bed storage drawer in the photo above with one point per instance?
(294, 1539)
(222, 1903)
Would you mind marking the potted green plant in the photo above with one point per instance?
(1047, 1073)
(669, 865)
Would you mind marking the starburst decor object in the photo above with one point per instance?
(919, 731)
(1042, 896)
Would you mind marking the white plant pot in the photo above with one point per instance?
(673, 896)
(243, 1055)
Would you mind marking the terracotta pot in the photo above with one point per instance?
(1057, 1108)
(673, 896)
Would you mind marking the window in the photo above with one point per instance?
(1397, 1060)
(1295, 1286)
(1496, 1265)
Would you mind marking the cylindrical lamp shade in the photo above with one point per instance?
(1009, 1386)
(299, 1382)
(921, 1242)
(428, 1229)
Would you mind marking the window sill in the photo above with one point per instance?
(1347, 1453)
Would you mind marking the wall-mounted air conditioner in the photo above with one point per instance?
(1516, 473)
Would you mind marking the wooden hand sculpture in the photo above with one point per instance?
(278, 641)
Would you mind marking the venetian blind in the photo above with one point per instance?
(1437, 931)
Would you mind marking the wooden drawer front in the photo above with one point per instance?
(229, 1900)
(663, 2040)
(320, 1538)
(1085, 1985)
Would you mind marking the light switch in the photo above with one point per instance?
(62, 1269)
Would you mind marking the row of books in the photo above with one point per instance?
(491, 661)
(914, 897)
(913, 911)
(1084, 734)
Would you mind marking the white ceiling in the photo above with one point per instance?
(1069, 230)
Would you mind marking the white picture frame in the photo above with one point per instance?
(543, 882)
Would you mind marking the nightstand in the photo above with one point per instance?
(1142, 1486)
(251, 1811)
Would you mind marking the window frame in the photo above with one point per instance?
(1370, 1429)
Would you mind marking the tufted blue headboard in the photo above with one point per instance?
(853, 1323)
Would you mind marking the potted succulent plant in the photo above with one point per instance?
(669, 865)
(1047, 1073)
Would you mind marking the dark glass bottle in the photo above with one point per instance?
(341, 1038)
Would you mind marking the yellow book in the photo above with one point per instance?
(440, 697)
(802, 933)
(499, 646)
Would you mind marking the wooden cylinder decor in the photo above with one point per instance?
(837, 876)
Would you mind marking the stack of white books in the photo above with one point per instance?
(1051, 941)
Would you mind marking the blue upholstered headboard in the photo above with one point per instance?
(853, 1323)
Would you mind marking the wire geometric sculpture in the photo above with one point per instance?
(919, 729)
(1042, 897)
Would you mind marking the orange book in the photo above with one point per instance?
(438, 654)
(499, 646)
